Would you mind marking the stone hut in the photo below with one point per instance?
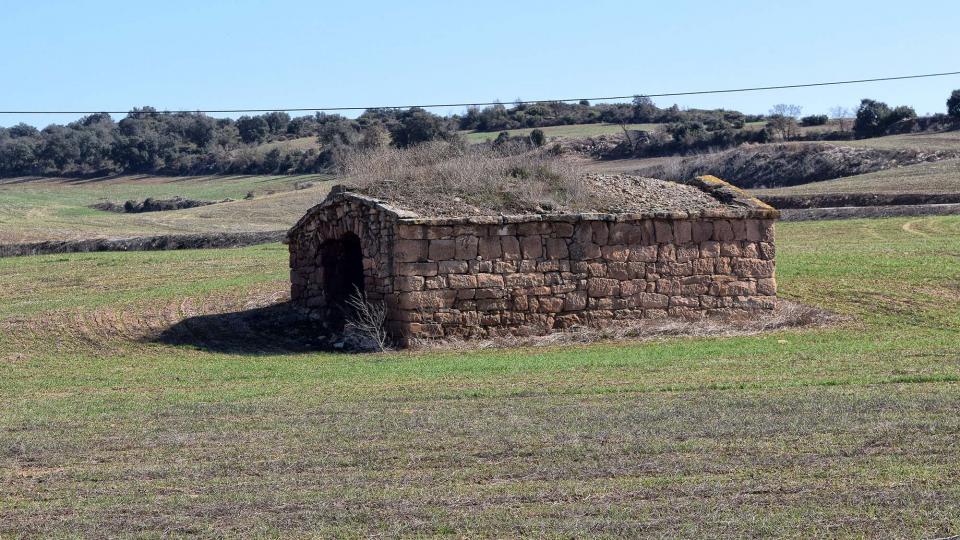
(691, 250)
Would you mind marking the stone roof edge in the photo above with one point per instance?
(338, 194)
(730, 194)
(740, 205)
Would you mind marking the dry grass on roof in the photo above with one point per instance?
(450, 179)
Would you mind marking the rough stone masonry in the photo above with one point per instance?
(487, 276)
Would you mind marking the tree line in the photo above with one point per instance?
(155, 142)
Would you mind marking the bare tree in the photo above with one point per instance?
(785, 109)
(368, 318)
(840, 114)
(783, 120)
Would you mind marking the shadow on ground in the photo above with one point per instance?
(275, 329)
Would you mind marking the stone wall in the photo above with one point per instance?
(468, 280)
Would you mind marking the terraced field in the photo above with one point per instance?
(847, 430)
(937, 177)
(58, 209)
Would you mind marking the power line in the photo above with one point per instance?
(535, 101)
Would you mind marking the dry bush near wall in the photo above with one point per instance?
(787, 315)
(441, 175)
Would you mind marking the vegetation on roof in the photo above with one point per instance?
(450, 179)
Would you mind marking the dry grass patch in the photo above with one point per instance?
(450, 177)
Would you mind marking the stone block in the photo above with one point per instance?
(722, 231)
(531, 247)
(411, 250)
(739, 227)
(600, 232)
(682, 231)
(466, 247)
(462, 281)
(575, 301)
(436, 299)
(439, 232)
(584, 251)
(709, 250)
(633, 287)
(435, 282)
(688, 252)
(767, 250)
(755, 268)
(562, 230)
(643, 253)
(754, 230)
(663, 231)
(412, 232)
(524, 280)
(534, 228)
(618, 270)
(489, 280)
(653, 300)
(417, 269)
(601, 287)
(557, 248)
(625, 233)
(550, 304)
(442, 250)
(409, 283)
(488, 247)
(511, 248)
(618, 253)
(483, 294)
(453, 267)
(767, 286)
(667, 253)
(730, 249)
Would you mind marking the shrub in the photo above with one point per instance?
(871, 118)
(953, 104)
(538, 137)
(814, 120)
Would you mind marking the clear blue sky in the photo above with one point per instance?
(258, 54)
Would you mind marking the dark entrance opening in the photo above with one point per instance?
(342, 261)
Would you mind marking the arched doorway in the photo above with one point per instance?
(342, 261)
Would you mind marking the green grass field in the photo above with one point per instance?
(58, 209)
(842, 431)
